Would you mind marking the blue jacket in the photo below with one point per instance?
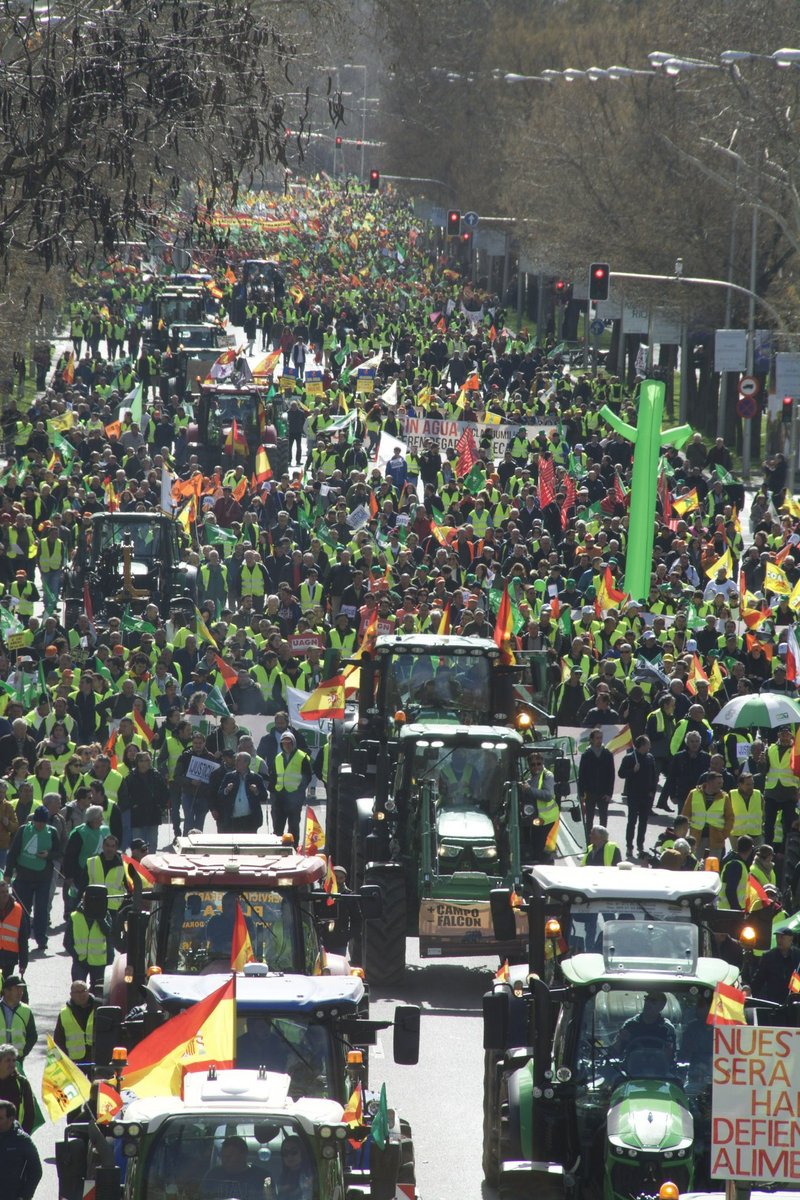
(20, 1165)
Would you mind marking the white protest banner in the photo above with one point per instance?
(200, 770)
(359, 517)
(301, 643)
(755, 1104)
(446, 434)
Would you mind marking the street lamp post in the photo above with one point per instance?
(361, 67)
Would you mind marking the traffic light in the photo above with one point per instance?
(786, 410)
(599, 279)
(453, 222)
(466, 237)
(374, 180)
(338, 141)
(560, 289)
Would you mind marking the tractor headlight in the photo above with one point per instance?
(390, 805)
(328, 1150)
(447, 850)
(485, 851)
(528, 810)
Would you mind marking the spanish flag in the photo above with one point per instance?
(502, 974)
(755, 896)
(133, 864)
(504, 629)
(696, 673)
(326, 702)
(794, 983)
(204, 1036)
(313, 834)
(262, 471)
(109, 1102)
(444, 621)
(241, 946)
(609, 596)
(727, 1006)
(235, 442)
(330, 884)
(144, 729)
(68, 374)
(354, 1109)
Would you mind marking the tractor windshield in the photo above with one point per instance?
(446, 687)
(657, 1032)
(293, 1046)
(196, 1156)
(466, 776)
(191, 929)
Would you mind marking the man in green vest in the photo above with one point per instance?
(290, 777)
(16, 1019)
(74, 1031)
(88, 937)
(30, 864)
(84, 843)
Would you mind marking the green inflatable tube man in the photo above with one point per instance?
(648, 438)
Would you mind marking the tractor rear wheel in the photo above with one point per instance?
(385, 939)
(491, 1117)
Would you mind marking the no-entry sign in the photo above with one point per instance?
(756, 1104)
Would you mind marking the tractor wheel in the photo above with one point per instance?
(491, 1116)
(385, 940)
(348, 790)
(278, 456)
(407, 1172)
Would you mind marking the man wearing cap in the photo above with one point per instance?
(16, 1018)
(290, 775)
(33, 852)
(775, 969)
(24, 594)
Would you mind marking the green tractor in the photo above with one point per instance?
(448, 834)
(416, 678)
(602, 1088)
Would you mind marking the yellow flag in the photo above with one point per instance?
(775, 581)
(62, 423)
(794, 599)
(491, 418)
(725, 563)
(202, 629)
(715, 681)
(64, 1086)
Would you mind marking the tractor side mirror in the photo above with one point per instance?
(503, 920)
(107, 1033)
(495, 1019)
(371, 896)
(406, 1034)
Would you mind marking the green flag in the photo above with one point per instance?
(215, 534)
(136, 402)
(131, 624)
(64, 448)
(475, 480)
(723, 475)
(380, 1122)
(565, 621)
(215, 703)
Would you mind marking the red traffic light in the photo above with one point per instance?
(560, 285)
(786, 410)
(338, 140)
(454, 222)
(466, 236)
(599, 278)
(374, 180)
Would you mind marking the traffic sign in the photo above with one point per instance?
(470, 218)
(597, 327)
(747, 407)
(749, 386)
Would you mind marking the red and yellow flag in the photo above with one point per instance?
(330, 883)
(794, 983)
(238, 492)
(444, 621)
(262, 471)
(755, 896)
(133, 865)
(696, 673)
(68, 373)
(313, 835)
(326, 702)
(502, 974)
(354, 1109)
(241, 946)
(144, 729)
(235, 442)
(109, 1102)
(201, 1037)
(551, 843)
(504, 629)
(727, 1006)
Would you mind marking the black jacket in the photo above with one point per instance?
(228, 788)
(596, 773)
(641, 784)
(145, 796)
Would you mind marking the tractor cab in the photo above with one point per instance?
(183, 924)
(218, 406)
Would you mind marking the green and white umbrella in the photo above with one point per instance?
(765, 711)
